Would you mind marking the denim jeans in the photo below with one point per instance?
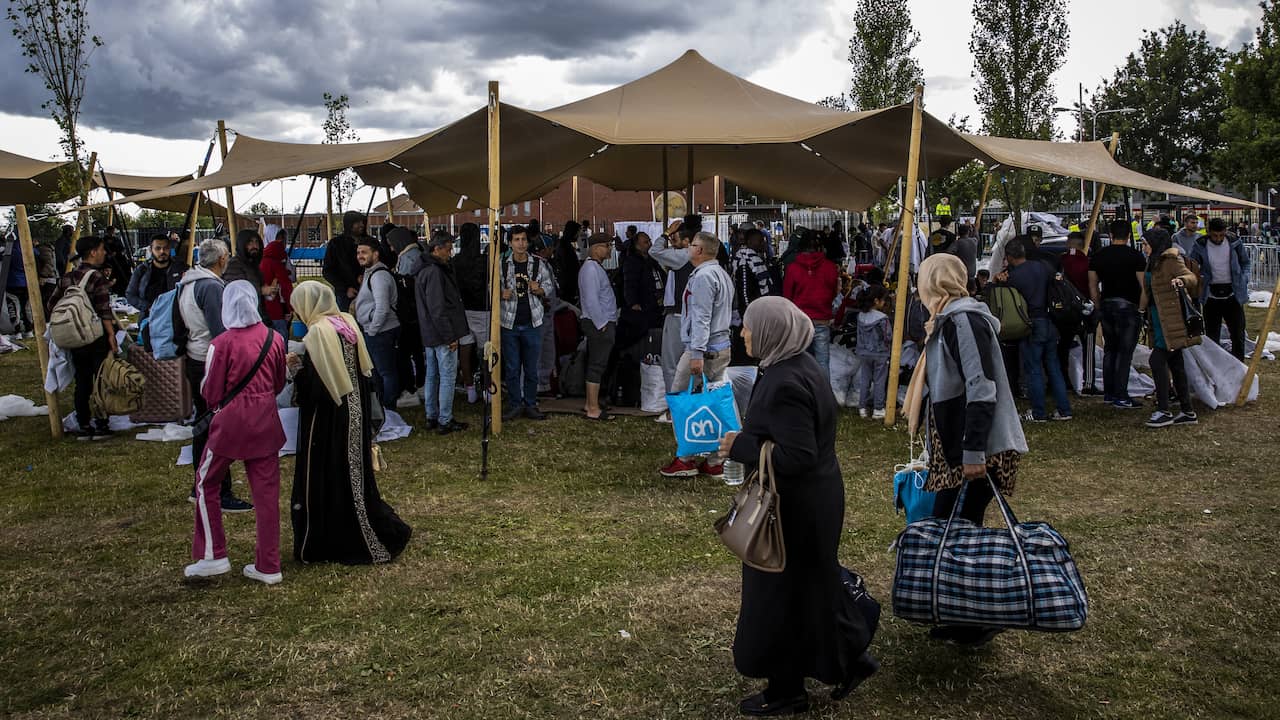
(873, 382)
(820, 348)
(442, 376)
(282, 327)
(382, 350)
(1120, 327)
(1040, 346)
(521, 354)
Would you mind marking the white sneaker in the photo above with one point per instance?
(877, 415)
(408, 399)
(252, 573)
(665, 417)
(471, 395)
(864, 412)
(207, 568)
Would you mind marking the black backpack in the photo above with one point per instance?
(406, 297)
(1065, 305)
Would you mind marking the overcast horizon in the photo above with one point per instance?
(170, 69)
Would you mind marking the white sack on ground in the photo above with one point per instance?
(1260, 298)
(653, 389)
(117, 423)
(844, 375)
(1215, 375)
(1140, 385)
(12, 406)
(171, 432)
(7, 345)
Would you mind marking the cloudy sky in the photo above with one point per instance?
(170, 69)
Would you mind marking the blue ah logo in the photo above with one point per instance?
(703, 426)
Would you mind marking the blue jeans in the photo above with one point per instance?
(1120, 327)
(820, 348)
(282, 327)
(442, 376)
(873, 382)
(1040, 346)
(382, 350)
(521, 353)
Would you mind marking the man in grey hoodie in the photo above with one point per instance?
(375, 310)
(704, 331)
(1188, 235)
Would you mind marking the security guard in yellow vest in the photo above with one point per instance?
(943, 208)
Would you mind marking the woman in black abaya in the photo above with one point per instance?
(338, 514)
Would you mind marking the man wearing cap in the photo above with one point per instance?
(1035, 234)
(598, 321)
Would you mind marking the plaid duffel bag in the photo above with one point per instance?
(952, 572)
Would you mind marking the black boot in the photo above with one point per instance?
(864, 667)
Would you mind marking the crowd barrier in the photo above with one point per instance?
(1265, 265)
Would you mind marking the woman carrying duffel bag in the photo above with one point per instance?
(969, 581)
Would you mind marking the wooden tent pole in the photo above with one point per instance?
(82, 216)
(391, 216)
(904, 258)
(573, 211)
(191, 230)
(492, 355)
(1258, 349)
(982, 206)
(1097, 200)
(666, 211)
(231, 201)
(328, 209)
(715, 202)
(36, 303)
(688, 185)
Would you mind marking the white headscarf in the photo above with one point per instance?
(240, 305)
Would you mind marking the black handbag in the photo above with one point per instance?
(1191, 316)
(202, 424)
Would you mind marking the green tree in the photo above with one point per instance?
(262, 208)
(884, 72)
(835, 102)
(1174, 80)
(1251, 122)
(338, 130)
(1017, 45)
(54, 38)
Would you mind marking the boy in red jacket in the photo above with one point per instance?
(812, 282)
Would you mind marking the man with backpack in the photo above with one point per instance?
(155, 277)
(197, 321)
(411, 367)
(526, 293)
(81, 321)
(375, 311)
(1032, 279)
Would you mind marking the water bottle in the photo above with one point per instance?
(734, 473)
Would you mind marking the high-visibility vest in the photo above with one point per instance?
(941, 210)
(1075, 227)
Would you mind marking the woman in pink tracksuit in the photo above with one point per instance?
(247, 429)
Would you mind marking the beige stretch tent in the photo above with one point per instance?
(690, 109)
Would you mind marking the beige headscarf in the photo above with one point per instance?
(316, 306)
(942, 280)
(779, 330)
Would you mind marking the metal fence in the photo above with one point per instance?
(1265, 266)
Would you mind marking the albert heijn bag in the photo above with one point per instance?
(700, 419)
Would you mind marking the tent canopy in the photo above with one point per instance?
(692, 118)
(26, 181)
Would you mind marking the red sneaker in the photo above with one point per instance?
(716, 471)
(679, 469)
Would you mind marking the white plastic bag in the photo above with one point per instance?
(653, 391)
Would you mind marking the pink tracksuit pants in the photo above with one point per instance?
(209, 542)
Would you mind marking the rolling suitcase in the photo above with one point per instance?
(166, 396)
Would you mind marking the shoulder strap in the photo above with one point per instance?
(84, 281)
(257, 364)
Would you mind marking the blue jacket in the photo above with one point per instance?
(1240, 269)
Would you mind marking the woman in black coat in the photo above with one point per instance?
(797, 623)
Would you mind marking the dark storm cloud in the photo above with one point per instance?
(172, 68)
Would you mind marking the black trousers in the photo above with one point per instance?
(1228, 310)
(410, 364)
(87, 360)
(195, 375)
(1166, 362)
(976, 501)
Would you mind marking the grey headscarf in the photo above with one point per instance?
(779, 330)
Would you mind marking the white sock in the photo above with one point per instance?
(471, 393)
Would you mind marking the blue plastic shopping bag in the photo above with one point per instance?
(909, 494)
(701, 419)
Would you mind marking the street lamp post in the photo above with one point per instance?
(1096, 114)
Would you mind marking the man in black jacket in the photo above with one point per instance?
(245, 266)
(472, 269)
(442, 323)
(155, 277)
(341, 268)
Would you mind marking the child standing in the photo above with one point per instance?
(875, 337)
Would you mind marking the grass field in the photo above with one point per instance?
(509, 601)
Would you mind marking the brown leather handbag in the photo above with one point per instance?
(753, 528)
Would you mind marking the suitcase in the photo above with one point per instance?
(166, 397)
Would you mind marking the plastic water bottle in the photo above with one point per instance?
(734, 473)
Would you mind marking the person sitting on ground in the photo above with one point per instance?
(1032, 278)
(598, 322)
(704, 332)
(526, 294)
(375, 311)
(1167, 274)
(88, 359)
(812, 282)
(1225, 269)
(338, 513)
(246, 428)
(791, 624)
(153, 278)
(442, 322)
(959, 397)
